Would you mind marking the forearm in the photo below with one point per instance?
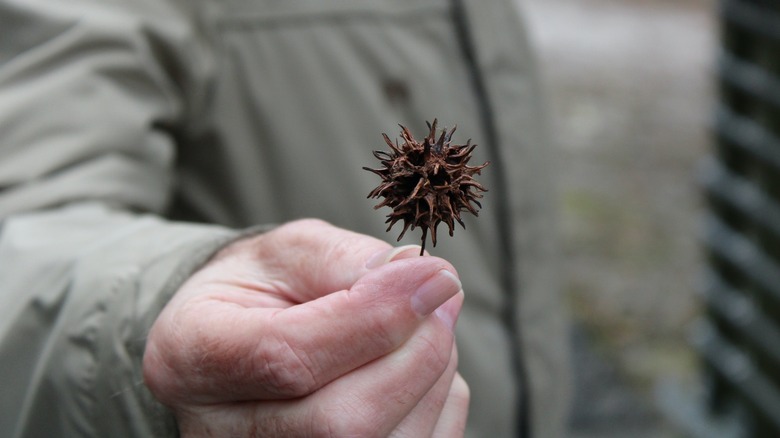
(79, 288)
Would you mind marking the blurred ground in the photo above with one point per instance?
(630, 90)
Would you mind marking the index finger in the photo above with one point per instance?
(310, 258)
(292, 264)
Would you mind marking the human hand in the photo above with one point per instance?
(307, 331)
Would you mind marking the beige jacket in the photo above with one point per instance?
(138, 136)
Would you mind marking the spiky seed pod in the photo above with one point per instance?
(427, 182)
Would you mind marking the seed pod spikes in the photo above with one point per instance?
(427, 182)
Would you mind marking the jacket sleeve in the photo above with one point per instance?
(92, 96)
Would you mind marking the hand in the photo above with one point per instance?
(307, 330)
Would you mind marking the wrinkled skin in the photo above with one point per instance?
(311, 330)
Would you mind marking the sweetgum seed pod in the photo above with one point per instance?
(427, 182)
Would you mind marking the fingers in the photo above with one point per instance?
(422, 420)
(407, 387)
(452, 420)
(446, 395)
(373, 400)
(226, 352)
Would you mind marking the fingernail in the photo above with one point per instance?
(434, 292)
(450, 310)
(388, 255)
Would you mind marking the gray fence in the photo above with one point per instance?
(739, 339)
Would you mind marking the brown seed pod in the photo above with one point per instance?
(428, 182)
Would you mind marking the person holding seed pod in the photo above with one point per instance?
(186, 247)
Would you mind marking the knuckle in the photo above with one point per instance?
(155, 377)
(345, 419)
(164, 370)
(275, 426)
(433, 353)
(386, 336)
(285, 370)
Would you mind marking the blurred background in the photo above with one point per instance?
(630, 85)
